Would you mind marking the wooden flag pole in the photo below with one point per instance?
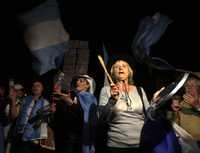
(104, 67)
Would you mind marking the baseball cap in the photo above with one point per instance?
(18, 87)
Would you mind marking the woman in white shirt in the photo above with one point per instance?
(125, 118)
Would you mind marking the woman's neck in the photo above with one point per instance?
(124, 85)
(123, 82)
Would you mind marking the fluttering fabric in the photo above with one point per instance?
(149, 32)
(45, 36)
(30, 109)
(158, 136)
(88, 103)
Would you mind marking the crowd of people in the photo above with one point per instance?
(75, 121)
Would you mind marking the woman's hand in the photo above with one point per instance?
(156, 96)
(66, 97)
(114, 91)
(191, 100)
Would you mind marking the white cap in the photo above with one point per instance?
(18, 87)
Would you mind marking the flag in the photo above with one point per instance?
(45, 36)
(149, 32)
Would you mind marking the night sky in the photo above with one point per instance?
(114, 24)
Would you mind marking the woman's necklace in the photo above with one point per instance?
(127, 97)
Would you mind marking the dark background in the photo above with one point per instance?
(114, 24)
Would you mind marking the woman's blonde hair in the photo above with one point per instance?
(130, 72)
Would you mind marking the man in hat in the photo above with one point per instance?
(19, 92)
(12, 109)
(31, 125)
(74, 133)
